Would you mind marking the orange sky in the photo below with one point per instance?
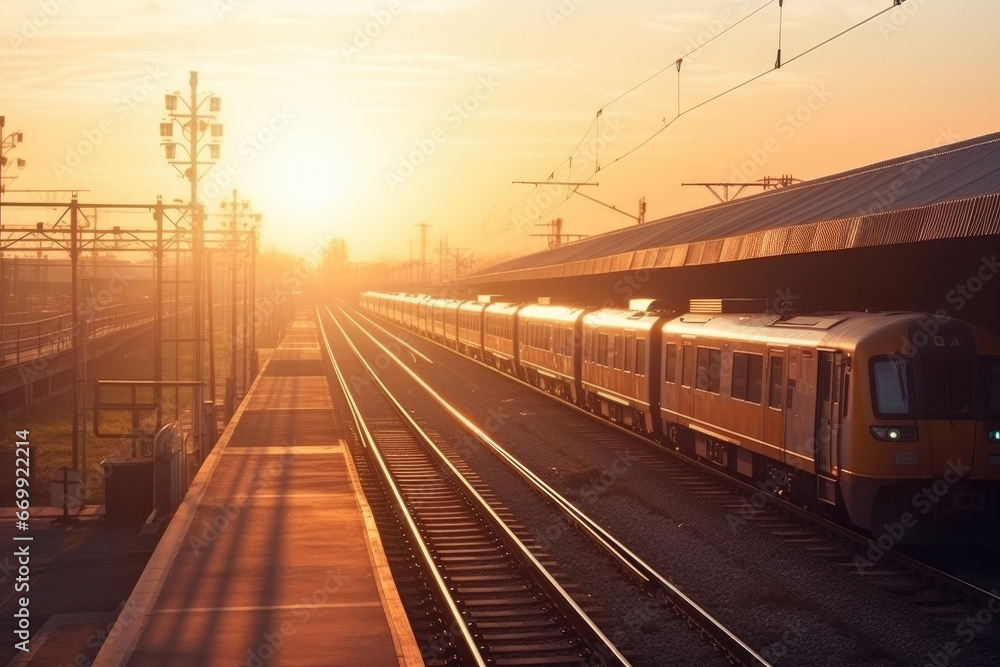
(362, 119)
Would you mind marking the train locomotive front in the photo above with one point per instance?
(884, 417)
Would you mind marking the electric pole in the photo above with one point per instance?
(7, 143)
(765, 183)
(423, 249)
(194, 126)
(555, 236)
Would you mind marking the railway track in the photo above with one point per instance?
(928, 585)
(495, 600)
(654, 583)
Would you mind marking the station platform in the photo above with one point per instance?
(273, 558)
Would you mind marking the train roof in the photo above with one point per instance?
(845, 329)
(622, 317)
(549, 312)
(502, 307)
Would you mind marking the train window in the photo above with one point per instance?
(616, 356)
(948, 383)
(755, 377)
(670, 363)
(740, 360)
(776, 376)
(892, 379)
(602, 349)
(640, 357)
(629, 351)
(714, 370)
(688, 362)
(847, 394)
(709, 369)
(702, 382)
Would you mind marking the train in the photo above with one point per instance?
(888, 420)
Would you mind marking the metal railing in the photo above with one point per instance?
(25, 341)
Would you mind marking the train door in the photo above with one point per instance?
(686, 406)
(774, 412)
(829, 398)
(829, 385)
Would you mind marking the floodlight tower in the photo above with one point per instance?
(196, 124)
(7, 143)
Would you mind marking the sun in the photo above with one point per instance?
(310, 175)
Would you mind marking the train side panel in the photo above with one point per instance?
(548, 348)
(618, 369)
(500, 336)
(470, 328)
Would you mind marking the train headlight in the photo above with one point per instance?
(895, 433)
(993, 435)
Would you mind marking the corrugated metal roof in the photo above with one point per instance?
(945, 192)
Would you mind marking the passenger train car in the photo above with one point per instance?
(889, 419)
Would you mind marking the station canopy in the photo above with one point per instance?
(950, 191)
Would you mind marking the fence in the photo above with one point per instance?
(25, 341)
(170, 469)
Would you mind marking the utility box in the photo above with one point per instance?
(128, 489)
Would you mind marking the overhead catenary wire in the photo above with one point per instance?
(781, 14)
(677, 65)
(699, 47)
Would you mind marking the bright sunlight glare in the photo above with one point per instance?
(309, 175)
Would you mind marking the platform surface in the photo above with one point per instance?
(273, 558)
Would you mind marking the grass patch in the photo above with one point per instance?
(50, 427)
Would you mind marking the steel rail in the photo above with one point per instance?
(468, 650)
(591, 633)
(984, 596)
(654, 582)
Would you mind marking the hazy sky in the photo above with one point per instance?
(362, 119)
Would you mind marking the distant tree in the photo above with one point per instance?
(336, 259)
